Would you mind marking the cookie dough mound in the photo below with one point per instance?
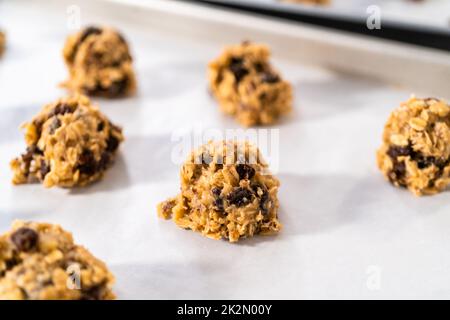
(40, 261)
(99, 63)
(2, 42)
(69, 143)
(415, 153)
(226, 192)
(247, 87)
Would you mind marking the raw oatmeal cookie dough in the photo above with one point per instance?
(226, 192)
(415, 153)
(247, 87)
(69, 143)
(39, 261)
(99, 63)
(2, 42)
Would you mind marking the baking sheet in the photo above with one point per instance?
(347, 233)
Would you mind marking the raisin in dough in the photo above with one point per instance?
(39, 261)
(69, 143)
(415, 153)
(226, 192)
(99, 63)
(2, 42)
(247, 87)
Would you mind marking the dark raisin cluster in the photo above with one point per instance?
(93, 293)
(399, 168)
(29, 155)
(241, 196)
(60, 109)
(25, 239)
(245, 171)
(89, 165)
(91, 30)
(239, 71)
(218, 200)
(116, 88)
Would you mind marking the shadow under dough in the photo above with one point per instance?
(314, 204)
(341, 94)
(166, 281)
(10, 121)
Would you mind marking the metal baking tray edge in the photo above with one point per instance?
(407, 66)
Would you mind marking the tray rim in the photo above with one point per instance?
(396, 63)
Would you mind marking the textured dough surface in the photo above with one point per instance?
(226, 192)
(415, 152)
(247, 87)
(69, 143)
(39, 261)
(99, 63)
